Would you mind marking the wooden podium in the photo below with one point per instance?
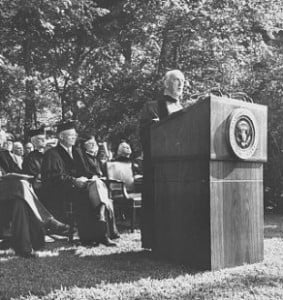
(208, 183)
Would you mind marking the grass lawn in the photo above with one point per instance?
(128, 272)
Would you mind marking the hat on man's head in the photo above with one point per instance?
(37, 131)
(10, 137)
(84, 137)
(70, 124)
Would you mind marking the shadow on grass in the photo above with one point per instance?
(63, 265)
(69, 270)
(273, 226)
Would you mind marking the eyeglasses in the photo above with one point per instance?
(90, 143)
(71, 135)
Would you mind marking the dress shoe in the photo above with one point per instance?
(55, 227)
(107, 242)
(88, 243)
(27, 254)
(5, 245)
(115, 236)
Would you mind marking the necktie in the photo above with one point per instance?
(70, 152)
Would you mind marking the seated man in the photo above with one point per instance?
(33, 161)
(18, 153)
(20, 206)
(124, 153)
(65, 178)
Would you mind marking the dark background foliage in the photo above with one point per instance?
(102, 60)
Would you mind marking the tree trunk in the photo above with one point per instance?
(169, 54)
(29, 100)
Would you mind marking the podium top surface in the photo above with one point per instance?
(217, 128)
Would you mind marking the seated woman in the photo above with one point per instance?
(89, 148)
(98, 192)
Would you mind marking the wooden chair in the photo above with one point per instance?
(121, 186)
(70, 219)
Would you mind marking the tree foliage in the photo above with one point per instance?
(103, 59)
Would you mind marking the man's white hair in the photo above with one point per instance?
(168, 75)
(62, 134)
(18, 144)
(34, 140)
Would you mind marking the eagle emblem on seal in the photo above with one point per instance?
(242, 133)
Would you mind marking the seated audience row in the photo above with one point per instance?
(65, 173)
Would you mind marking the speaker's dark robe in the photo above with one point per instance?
(58, 172)
(153, 111)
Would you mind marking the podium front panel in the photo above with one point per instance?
(236, 208)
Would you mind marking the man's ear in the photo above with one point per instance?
(165, 83)
(60, 136)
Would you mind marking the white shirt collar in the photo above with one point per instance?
(68, 149)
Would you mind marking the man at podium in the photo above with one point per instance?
(152, 112)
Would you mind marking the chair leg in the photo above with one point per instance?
(71, 231)
(71, 222)
(133, 219)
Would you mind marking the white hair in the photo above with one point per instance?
(121, 149)
(168, 75)
(33, 139)
(18, 144)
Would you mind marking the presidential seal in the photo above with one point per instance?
(242, 133)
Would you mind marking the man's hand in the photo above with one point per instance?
(80, 182)
(155, 120)
(94, 177)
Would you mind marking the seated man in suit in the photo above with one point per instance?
(153, 111)
(65, 178)
(124, 154)
(18, 153)
(20, 206)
